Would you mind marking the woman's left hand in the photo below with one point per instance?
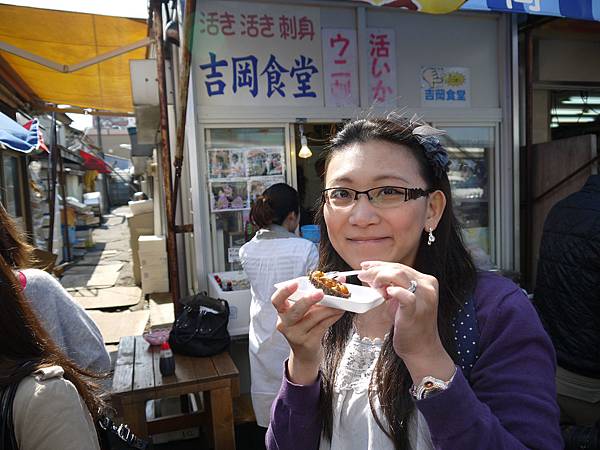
(416, 336)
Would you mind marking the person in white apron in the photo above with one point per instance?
(274, 254)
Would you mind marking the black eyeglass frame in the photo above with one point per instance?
(409, 193)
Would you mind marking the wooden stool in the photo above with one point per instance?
(137, 379)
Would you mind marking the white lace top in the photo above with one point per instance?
(354, 427)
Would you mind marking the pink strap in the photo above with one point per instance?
(23, 280)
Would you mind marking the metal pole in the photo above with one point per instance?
(157, 26)
(104, 176)
(530, 171)
(63, 194)
(52, 183)
(184, 82)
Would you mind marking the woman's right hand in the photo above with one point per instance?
(303, 323)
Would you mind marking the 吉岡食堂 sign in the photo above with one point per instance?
(258, 54)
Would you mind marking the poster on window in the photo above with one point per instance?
(264, 161)
(381, 58)
(256, 186)
(229, 195)
(226, 163)
(445, 87)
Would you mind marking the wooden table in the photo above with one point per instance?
(137, 379)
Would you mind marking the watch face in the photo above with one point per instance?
(431, 391)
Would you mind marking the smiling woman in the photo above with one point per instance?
(381, 225)
(445, 361)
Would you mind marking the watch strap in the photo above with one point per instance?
(430, 386)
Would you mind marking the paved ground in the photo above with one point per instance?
(102, 282)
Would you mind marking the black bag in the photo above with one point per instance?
(197, 331)
(118, 437)
(7, 430)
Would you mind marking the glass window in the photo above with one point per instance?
(11, 192)
(241, 164)
(471, 150)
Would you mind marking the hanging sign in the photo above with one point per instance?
(341, 67)
(445, 87)
(381, 57)
(258, 54)
(572, 9)
(426, 6)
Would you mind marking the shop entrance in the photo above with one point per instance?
(563, 164)
(309, 169)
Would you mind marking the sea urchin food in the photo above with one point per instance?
(329, 285)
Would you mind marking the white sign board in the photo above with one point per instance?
(233, 254)
(445, 87)
(340, 58)
(381, 57)
(258, 54)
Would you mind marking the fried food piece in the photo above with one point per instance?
(329, 285)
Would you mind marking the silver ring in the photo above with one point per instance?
(413, 287)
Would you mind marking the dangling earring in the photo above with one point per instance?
(431, 238)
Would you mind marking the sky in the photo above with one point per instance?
(128, 8)
(81, 121)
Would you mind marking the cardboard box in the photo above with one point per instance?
(141, 207)
(141, 221)
(91, 220)
(154, 282)
(140, 225)
(153, 260)
(152, 246)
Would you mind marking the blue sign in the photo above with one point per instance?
(573, 9)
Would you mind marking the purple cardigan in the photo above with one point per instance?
(508, 403)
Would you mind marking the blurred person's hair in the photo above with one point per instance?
(274, 205)
(14, 248)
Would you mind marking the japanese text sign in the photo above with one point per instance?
(258, 54)
(341, 67)
(445, 87)
(381, 57)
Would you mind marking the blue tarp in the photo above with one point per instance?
(16, 137)
(573, 9)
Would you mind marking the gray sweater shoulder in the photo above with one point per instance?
(71, 328)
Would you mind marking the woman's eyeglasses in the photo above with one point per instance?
(381, 197)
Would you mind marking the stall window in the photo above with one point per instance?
(242, 163)
(11, 186)
(471, 149)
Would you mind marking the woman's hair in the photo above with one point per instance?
(274, 205)
(448, 260)
(26, 346)
(13, 245)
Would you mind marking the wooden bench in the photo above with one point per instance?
(137, 379)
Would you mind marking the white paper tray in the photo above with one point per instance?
(362, 298)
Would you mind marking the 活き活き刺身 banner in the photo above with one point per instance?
(573, 9)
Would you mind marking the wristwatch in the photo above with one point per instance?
(430, 386)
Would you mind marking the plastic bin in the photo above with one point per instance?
(239, 301)
(311, 232)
